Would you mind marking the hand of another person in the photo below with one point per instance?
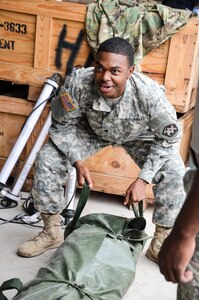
(136, 192)
(82, 174)
(174, 256)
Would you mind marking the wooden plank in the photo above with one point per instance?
(15, 106)
(115, 185)
(71, 11)
(68, 47)
(195, 69)
(17, 38)
(178, 99)
(155, 62)
(34, 92)
(157, 77)
(10, 127)
(24, 75)
(177, 61)
(42, 45)
(178, 69)
(181, 64)
(13, 114)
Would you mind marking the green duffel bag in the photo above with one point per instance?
(96, 261)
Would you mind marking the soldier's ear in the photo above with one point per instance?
(131, 69)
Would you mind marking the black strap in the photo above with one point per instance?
(14, 283)
(85, 192)
(138, 212)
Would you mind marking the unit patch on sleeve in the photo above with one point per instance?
(170, 130)
(67, 102)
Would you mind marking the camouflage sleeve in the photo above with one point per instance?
(166, 129)
(65, 115)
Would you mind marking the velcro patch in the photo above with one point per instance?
(170, 130)
(67, 102)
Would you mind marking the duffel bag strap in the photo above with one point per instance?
(14, 283)
(138, 212)
(85, 192)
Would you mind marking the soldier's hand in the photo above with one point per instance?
(83, 174)
(136, 192)
(175, 255)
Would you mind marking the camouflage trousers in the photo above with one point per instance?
(190, 290)
(52, 166)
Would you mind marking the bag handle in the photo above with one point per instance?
(14, 283)
(138, 212)
(85, 192)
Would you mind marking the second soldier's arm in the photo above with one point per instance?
(178, 249)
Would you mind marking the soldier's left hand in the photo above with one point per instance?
(136, 192)
(83, 174)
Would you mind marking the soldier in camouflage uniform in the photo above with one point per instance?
(179, 256)
(109, 104)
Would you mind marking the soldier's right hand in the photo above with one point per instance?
(83, 173)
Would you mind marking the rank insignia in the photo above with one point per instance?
(170, 130)
(67, 102)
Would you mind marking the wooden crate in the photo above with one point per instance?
(39, 38)
(176, 65)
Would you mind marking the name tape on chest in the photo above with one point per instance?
(67, 102)
(170, 130)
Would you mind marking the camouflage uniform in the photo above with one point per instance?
(190, 290)
(144, 24)
(143, 122)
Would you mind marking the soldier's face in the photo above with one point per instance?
(111, 73)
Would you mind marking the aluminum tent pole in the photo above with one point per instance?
(18, 184)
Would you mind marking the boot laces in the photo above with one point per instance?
(43, 235)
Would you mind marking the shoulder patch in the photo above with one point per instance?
(170, 130)
(67, 102)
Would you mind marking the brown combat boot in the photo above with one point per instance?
(51, 237)
(160, 235)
